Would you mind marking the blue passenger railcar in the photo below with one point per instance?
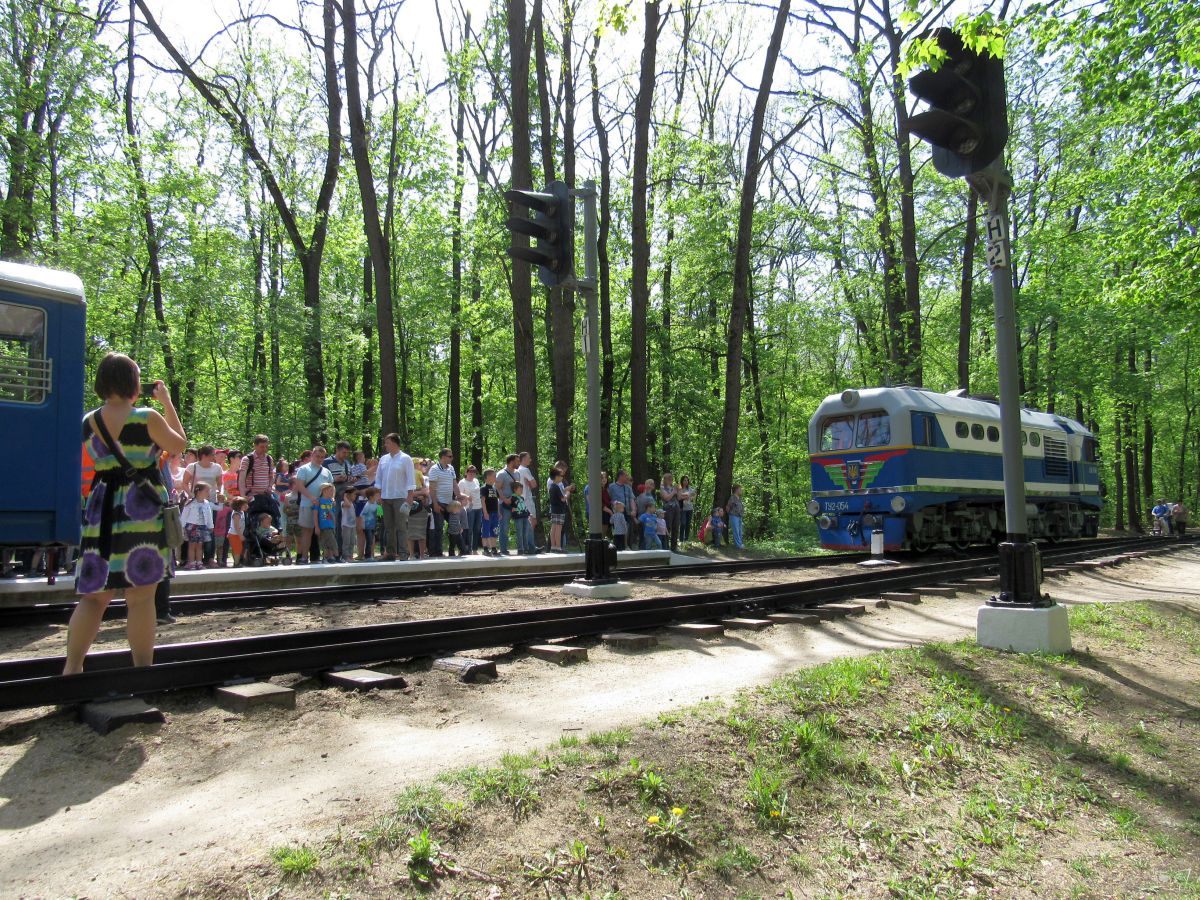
(42, 321)
(925, 468)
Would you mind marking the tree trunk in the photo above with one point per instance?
(640, 250)
(521, 288)
(370, 436)
(1148, 439)
(741, 267)
(563, 300)
(378, 247)
(966, 290)
(1118, 474)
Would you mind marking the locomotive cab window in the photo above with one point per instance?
(1089, 450)
(977, 431)
(24, 369)
(838, 433)
(874, 429)
(993, 433)
(922, 430)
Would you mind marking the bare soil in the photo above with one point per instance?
(196, 806)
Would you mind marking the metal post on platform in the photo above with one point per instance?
(599, 556)
(1020, 562)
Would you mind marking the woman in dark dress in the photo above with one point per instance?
(124, 547)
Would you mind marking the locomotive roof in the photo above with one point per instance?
(895, 399)
(53, 284)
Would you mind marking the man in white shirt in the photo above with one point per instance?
(396, 481)
(468, 493)
(443, 490)
(525, 473)
(311, 477)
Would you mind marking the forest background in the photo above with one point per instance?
(297, 221)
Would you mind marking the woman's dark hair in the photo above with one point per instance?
(117, 375)
(682, 479)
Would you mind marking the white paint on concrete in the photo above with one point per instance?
(1024, 630)
(617, 590)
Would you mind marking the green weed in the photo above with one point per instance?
(423, 860)
(738, 859)
(295, 861)
(768, 799)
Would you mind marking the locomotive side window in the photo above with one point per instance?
(977, 431)
(993, 433)
(1035, 439)
(961, 429)
(838, 434)
(874, 429)
(24, 369)
(1089, 450)
(922, 430)
(1024, 438)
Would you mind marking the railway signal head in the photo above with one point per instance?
(967, 119)
(551, 220)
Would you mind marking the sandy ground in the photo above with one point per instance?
(149, 809)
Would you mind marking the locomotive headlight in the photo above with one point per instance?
(870, 520)
(825, 522)
(898, 504)
(813, 507)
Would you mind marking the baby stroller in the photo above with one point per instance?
(259, 551)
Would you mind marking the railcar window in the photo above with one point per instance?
(874, 429)
(1089, 450)
(1035, 439)
(838, 434)
(24, 369)
(961, 429)
(1024, 438)
(977, 431)
(993, 433)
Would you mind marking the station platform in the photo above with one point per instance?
(18, 592)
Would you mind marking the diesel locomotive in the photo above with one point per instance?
(925, 468)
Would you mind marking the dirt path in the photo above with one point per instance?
(147, 809)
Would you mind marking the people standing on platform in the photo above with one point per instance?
(418, 526)
(360, 477)
(396, 480)
(291, 516)
(124, 546)
(687, 506)
(310, 479)
(283, 481)
(529, 493)
(367, 507)
(620, 526)
(649, 526)
(735, 509)
(490, 508)
(443, 490)
(522, 521)
(468, 495)
(327, 522)
(221, 530)
(456, 529)
(256, 480)
(205, 470)
(507, 479)
(668, 495)
(348, 519)
(605, 505)
(231, 480)
(621, 491)
(557, 500)
(339, 467)
(197, 519)
(642, 502)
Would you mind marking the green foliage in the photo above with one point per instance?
(295, 861)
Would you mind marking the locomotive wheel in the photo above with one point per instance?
(921, 544)
(962, 544)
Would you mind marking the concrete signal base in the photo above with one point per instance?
(615, 590)
(1024, 629)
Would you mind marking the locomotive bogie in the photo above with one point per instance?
(926, 469)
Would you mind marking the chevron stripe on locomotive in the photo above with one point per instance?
(925, 469)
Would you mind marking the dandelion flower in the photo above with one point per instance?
(775, 814)
(653, 820)
(676, 811)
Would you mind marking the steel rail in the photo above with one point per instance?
(194, 604)
(36, 682)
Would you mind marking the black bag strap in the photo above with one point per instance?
(113, 447)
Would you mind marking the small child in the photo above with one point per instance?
(268, 534)
(221, 529)
(649, 523)
(291, 517)
(661, 530)
(197, 518)
(456, 525)
(620, 526)
(237, 529)
(490, 522)
(558, 510)
(418, 527)
(716, 525)
(349, 519)
(358, 471)
(365, 508)
(327, 521)
(520, 518)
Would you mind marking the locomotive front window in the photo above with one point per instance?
(24, 369)
(874, 429)
(838, 434)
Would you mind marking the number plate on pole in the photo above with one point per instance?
(997, 241)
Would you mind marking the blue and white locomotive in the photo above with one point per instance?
(925, 468)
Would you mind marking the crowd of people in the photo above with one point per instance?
(250, 508)
(1169, 518)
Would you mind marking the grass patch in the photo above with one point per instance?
(295, 862)
(944, 771)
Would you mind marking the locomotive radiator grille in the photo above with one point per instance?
(1055, 461)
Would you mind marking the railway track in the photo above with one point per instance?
(193, 604)
(37, 682)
